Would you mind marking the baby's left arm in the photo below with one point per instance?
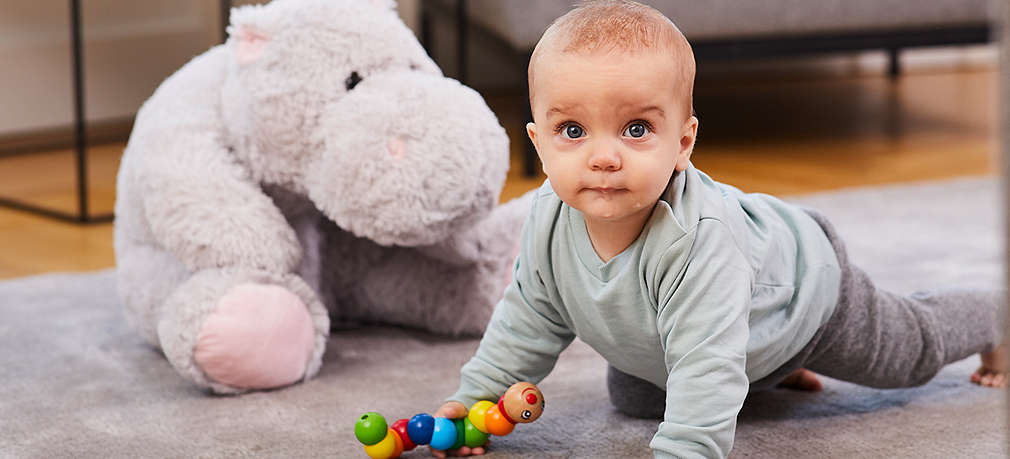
(703, 325)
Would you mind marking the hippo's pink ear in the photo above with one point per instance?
(249, 43)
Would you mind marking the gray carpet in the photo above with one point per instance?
(76, 382)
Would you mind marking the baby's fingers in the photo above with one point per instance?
(462, 451)
(451, 410)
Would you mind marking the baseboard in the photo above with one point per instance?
(62, 137)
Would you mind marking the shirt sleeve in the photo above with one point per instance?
(524, 337)
(703, 326)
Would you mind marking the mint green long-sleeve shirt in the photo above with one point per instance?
(719, 290)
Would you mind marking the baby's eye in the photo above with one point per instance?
(636, 130)
(572, 131)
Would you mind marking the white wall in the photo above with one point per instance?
(130, 47)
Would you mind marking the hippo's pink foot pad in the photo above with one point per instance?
(260, 336)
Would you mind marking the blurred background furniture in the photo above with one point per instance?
(79, 137)
(67, 115)
(723, 29)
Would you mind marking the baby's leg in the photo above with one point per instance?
(881, 339)
(639, 398)
(634, 396)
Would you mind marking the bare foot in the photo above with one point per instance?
(993, 372)
(802, 379)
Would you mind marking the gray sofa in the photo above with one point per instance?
(520, 22)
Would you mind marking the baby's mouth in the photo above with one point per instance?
(605, 189)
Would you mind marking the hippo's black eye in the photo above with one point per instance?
(352, 81)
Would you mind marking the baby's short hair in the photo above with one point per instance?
(623, 25)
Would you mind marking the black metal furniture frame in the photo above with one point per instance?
(80, 140)
(83, 216)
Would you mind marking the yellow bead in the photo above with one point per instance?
(477, 413)
(385, 448)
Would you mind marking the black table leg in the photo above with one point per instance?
(80, 139)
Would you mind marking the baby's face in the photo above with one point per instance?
(610, 129)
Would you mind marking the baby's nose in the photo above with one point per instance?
(397, 147)
(605, 161)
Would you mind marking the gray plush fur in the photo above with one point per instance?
(255, 163)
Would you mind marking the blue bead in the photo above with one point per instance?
(444, 435)
(420, 428)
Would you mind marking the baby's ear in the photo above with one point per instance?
(688, 136)
(249, 42)
(531, 131)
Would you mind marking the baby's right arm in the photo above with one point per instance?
(523, 339)
(522, 343)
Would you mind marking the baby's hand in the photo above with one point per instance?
(456, 410)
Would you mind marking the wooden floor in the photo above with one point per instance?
(767, 134)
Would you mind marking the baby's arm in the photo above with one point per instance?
(522, 342)
(523, 339)
(526, 332)
(704, 331)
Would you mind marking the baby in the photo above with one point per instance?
(694, 292)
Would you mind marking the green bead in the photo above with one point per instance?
(460, 434)
(473, 437)
(371, 428)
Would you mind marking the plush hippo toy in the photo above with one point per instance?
(315, 170)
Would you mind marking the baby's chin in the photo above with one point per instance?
(607, 209)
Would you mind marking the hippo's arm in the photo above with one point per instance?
(494, 238)
(199, 202)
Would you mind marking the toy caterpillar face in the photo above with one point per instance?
(523, 402)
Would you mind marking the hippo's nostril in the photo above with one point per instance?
(397, 147)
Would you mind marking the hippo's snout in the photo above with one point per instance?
(424, 157)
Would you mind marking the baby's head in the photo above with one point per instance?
(611, 87)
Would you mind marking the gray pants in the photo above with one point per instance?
(874, 338)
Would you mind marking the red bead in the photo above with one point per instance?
(400, 427)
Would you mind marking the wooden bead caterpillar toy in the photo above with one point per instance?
(522, 403)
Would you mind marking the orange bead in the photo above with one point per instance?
(399, 444)
(496, 423)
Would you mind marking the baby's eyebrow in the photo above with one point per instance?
(560, 109)
(651, 108)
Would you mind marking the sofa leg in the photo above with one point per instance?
(893, 63)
